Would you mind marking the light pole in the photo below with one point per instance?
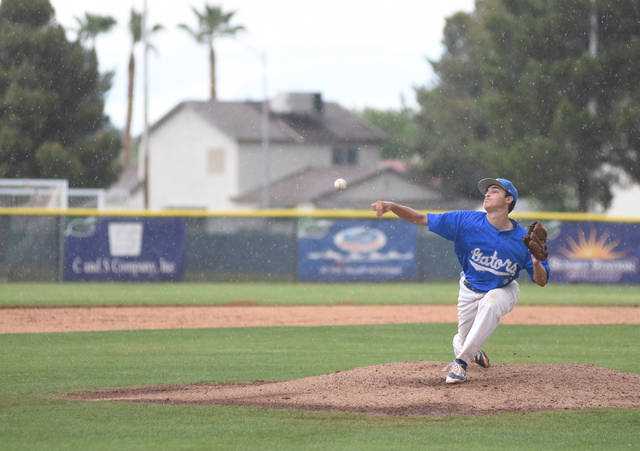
(265, 123)
(143, 152)
(265, 135)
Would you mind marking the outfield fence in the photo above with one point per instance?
(282, 245)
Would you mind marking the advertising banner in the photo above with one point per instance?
(124, 249)
(594, 252)
(356, 250)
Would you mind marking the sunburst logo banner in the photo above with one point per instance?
(594, 252)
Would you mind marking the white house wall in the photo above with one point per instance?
(285, 159)
(626, 201)
(178, 165)
(368, 154)
(392, 187)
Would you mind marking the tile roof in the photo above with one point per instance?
(305, 185)
(314, 186)
(243, 122)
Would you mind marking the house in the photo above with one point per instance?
(312, 188)
(127, 192)
(208, 155)
(626, 201)
(626, 196)
(203, 155)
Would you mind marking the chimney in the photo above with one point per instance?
(297, 103)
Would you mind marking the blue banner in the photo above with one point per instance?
(124, 249)
(594, 252)
(356, 250)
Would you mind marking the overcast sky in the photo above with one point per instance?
(359, 53)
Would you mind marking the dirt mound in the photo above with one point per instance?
(412, 389)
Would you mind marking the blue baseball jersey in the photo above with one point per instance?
(490, 258)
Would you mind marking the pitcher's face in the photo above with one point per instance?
(496, 198)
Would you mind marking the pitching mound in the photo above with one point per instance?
(411, 388)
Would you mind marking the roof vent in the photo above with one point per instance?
(297, 103)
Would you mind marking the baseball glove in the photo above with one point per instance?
(535, 239)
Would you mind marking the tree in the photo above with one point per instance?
(556, 104)
(449, 119)
(135, 28)
(51, 102)
(92, 25)
(559, 112)
(400, 127)
(212, 23)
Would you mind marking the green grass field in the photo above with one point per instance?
(91, 294)
(36, 368)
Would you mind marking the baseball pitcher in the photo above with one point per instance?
(492, 249)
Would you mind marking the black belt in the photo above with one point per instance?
(471, 287)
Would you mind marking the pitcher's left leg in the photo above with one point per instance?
(492, 307)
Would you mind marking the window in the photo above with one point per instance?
(216, 161)
(345, 157)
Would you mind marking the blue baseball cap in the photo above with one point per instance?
(484, 184)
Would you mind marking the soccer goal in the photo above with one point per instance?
(43, 193)
(34, 193)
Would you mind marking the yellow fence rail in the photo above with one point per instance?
(292, 213)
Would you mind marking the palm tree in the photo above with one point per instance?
(135, 27)
(212, 23)
(92, 26)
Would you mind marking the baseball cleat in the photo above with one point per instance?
(457, 373)
(481, 359)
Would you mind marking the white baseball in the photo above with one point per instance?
(340, 184)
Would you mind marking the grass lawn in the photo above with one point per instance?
(36, 367)
(91, 294)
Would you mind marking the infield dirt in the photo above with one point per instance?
(414, 388)
(411, 389)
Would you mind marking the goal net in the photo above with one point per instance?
(86, 198)
(34, 193)
(56, 194)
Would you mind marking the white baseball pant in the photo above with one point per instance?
(479, 315)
